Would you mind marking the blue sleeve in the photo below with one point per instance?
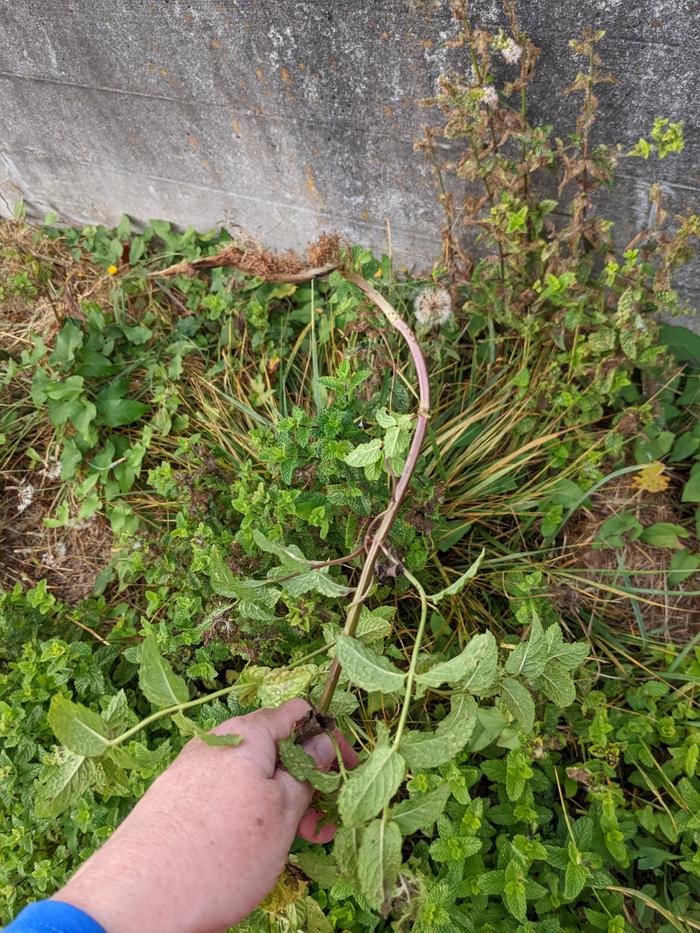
(53, 917)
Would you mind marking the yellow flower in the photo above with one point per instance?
(378, 274)
(112, 270)
(652, 478)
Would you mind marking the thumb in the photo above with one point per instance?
(322, 750)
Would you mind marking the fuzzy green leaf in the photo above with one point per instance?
(346, 847)
(459, 584)
(302, 767)
(365, 454)
(664, 534)
(317, 581)
(570, 654)
(285, 683)
(367, 669)
(514, 891)
(289, 554)
(474, 669)
(80, 729)
(252, 594)
(431, 749)
(575, 878)
(557, 683)
(188, 727)
(530, 657)
(64, 784)
(379, 861)
(371, 786)
(157, 680)
(421, 811)
(519, 703)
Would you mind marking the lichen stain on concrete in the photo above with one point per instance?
(192, 141)
(285, 75)
(215, 44)
(236, 126)
(311, 185)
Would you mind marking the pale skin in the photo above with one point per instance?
(207, 842)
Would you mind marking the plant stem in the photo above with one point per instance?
(178, 708)
(401, 487)
(414, 656)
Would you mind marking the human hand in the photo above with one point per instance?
(207, 842)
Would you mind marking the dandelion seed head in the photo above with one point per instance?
(433, 307)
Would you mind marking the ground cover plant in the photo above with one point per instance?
(205, 450)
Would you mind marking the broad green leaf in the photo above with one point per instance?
(371, 786)
(114, 412)
(80, 729)
(289, 555)
(374, 626)
(315, 921)
(365, 454)
(69, 339)
(570, 654)
(514, 890)
(575, 878)
(285, 683)
(530, 657)
(683, 565)
(346, 847)
(251, 594)
(188, 727)
(317, 865)
(431, 749)
(157, 680)
(117, 716)
(474, 669)
(144, 760)
(379, 861)
(316, 581)
(367, 669)
(691, 490)
(64, 784)
(557, 684)
(459, 584)
(302, 767)
(617, 530)
(664, 534)
(519, 703)
(421, 811)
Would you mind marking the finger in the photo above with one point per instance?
(349, 755)
(322, 750)
(310, 830)
(261, 730)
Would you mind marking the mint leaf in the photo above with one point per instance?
(64, 784)
(421, 811)
(367, 669)
(80, 729)
(474, 669)
(378, 862)
(431, 749)
(371, 786)
(157, 680)
(459, 584)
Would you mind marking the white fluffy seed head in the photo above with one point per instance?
(511, 52)
(489, 96)
(25, 495)
(433, 307)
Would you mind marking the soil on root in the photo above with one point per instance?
(668, 612)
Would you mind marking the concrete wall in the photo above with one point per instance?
(292, 116)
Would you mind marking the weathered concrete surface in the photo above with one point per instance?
(292, 116)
